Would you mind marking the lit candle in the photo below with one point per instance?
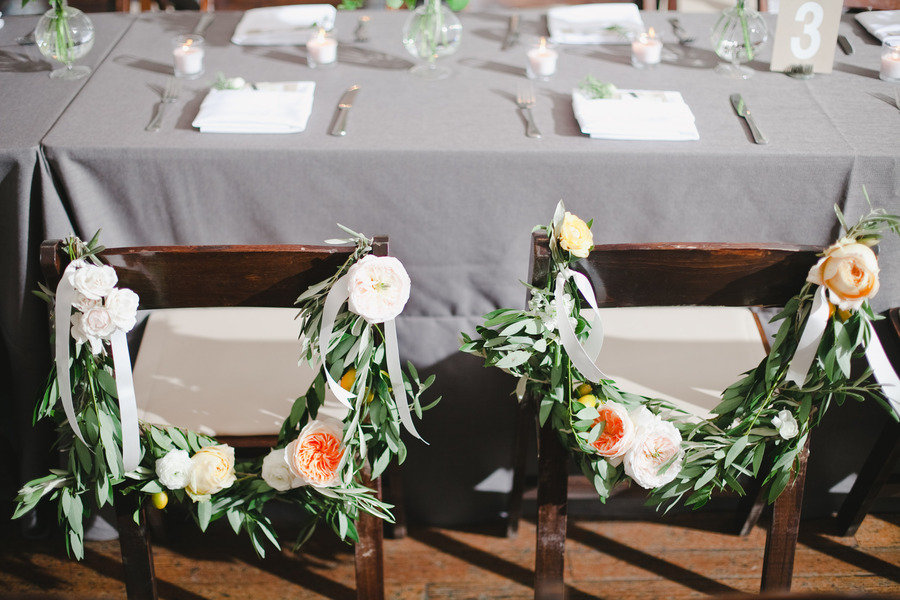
(542, 61)
(187, 53)
(646, 50)
(890, 58)
(321, 50)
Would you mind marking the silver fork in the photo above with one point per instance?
(169, 96)
(525, 100)
(897, 97)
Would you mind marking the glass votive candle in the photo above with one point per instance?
(890, 59)
(187, 55)
(541, 61)
(646, 50)
(321, 50)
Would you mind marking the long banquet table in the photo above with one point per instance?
(444, 168)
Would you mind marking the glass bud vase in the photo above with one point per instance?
(736, 37)
(65, 34)
(431, 31)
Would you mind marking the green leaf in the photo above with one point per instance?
(513, 359)
(235, 519)
(736, 450)
(107, 383)
(204, 514)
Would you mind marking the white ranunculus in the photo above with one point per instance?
(122, 305)
(81, 336)
(94, 281)
(786, 424)
(655, 442)
(212, 470)
(174, 469)
(277, 474)
(379, 288)
(97, 322)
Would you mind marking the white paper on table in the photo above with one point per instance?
(272, 108)
(636, 115)
(283, 25)
(588, 23)
(880, 23)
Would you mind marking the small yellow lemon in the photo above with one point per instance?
(348, 379)
(160, 500)
(843, 315)
(584, 389)
(589, 400)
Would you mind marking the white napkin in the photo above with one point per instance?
(636, 115)
(880, 23)
(283, 25)
(272, 108)
(587, 23)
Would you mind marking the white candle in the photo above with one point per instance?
(542, 61)
(188, 56)
(321, 50)
(646, 50)
(890, 59)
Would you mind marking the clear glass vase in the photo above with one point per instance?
(736, 37)
(431, 31)
(65, 34)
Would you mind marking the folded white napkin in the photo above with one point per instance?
(588, 23)
(272, 108)
(636, 115)
(283, 25)
(880, 23)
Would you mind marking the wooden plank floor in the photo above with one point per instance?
(686, 557)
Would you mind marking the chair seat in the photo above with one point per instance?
(222, 371)
(687, 355)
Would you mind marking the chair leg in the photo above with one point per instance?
(392, 483)
(370, 550)
(553, 490)
(137, 554)
(781, 539)
(874, 474)
(524, 420)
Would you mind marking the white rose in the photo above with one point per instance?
(655, 443)
(212, 470)
(97, 322)
(379, 288)
(81, 336)
(316, 454)
(786, 424)
(277, 474)
(122, 305)
(849, 271)
(93, 281)
(84, 304)
(174, 469)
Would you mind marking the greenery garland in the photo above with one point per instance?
(219, 487)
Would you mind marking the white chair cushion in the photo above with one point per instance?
(687, 355)
(222, 371)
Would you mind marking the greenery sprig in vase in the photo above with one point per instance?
(64, 34)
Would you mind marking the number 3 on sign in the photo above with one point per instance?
(806, 34)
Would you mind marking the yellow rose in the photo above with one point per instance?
(849, 271)
(212, 470)
(575, 236)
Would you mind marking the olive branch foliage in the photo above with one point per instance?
(92, 476)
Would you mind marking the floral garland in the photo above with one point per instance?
(317, 462)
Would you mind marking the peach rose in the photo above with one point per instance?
(575, 236)
(316, 454)
(849, 271)
(618, 433)
(212, 470)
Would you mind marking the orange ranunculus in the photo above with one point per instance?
(618, 432)
(317, 452)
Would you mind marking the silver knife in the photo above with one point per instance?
(737, 101)
(844, 43)
(346, 103)
(512, 33)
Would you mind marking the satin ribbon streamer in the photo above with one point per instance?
(131, 449)
(582, 357)
(883, 371)
(333, 302)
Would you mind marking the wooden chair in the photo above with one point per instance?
(222, 276)
(649, 275)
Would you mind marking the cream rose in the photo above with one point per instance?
(618, 430)
(315, 455)
(93, 281)
(655, 442)
(786, 424)
(276, 474)
(122, 305)
(849, 271)
(575, 236)
(81, 336)
(212, 470)
(174, 469)
(379, 288)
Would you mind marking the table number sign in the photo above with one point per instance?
(806, 34)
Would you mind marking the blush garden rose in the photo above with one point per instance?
(212, 470)
(314, 457)
(655, 443)
(575, 236)
(94, 282)
(849, 271)
(379, 288)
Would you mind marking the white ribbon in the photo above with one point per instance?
(883, 371)
(396, 376)
(333, 302)
(65, 296)
(582, 357)
(810, 339)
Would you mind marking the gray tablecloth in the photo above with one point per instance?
(444, 168)
(30, 102)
